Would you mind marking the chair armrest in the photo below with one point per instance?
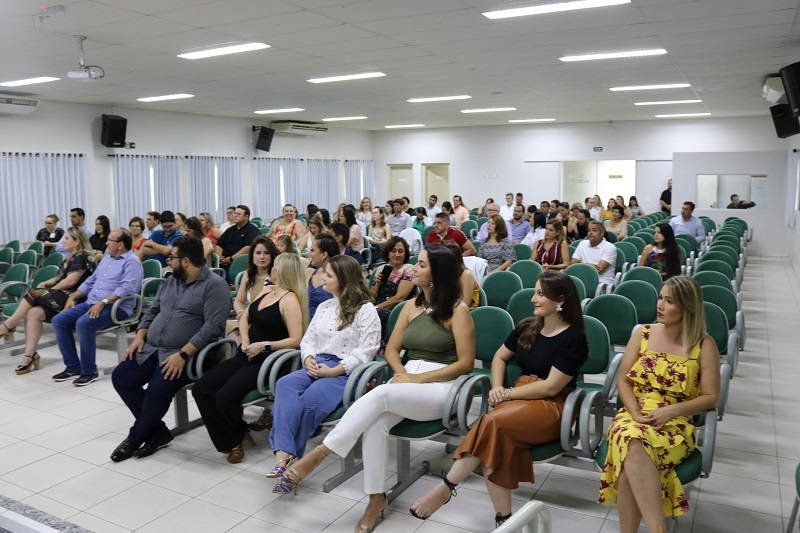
(593, 404)
(724, 388)
(617, 279)
(195, 370)
(741, 329)
(449, 409)
(601, 288)
(366, 256)
(8, 284)
(219, 271)
(152, 281)
(584, 303)
(137, 310)
(573, 403)
(274, 364)
(467, 394)
(709, 442)
(610, 383)
(733, 350)
(356, 387)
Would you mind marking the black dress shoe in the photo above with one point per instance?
(124, 451)
(153, 444)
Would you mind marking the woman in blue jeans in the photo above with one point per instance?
(344, 333)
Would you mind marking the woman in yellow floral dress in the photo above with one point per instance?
(670, 372)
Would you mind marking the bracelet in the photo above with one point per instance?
(507, 394)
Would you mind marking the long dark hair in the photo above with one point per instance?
(105, 224)
(446, 288)
(349, 216)
(672, 251)
(252, 269)
(556, 286)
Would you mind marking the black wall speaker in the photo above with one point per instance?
(786, 124)
(113, 133)
(790, 76)
(264, 138)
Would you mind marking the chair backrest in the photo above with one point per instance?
(716, 266)
(18, 272)
(580, 287)
(28, 257)
(482, 300)
(256, 221)
(37, 246)
(611, 237)
(44, 274)
(710, 277)
(54, 258)
(151, 268)
(412, 260)
(688, 239)
(717, 326)
(635, 225)
(239, 265)
(467, 226)
(492, 327)
(520, 305)
(477, 245)
(473, 216)
(724, 299)
(599, 347)
(728, 240)
(718, 255)
(413, 238)
(686, 250)
(425, 232)
(527, 270)
(588, 276)
(638, 242)
(646, 236)
(264, 230)
(620, 262)
(390, 323)
(644, 273)
(6, 255)
(523, 251)
(617, 314)
(631, 252)
(709, 224)
(14, 245)
(643, 296)
(500, 287)
(481, 221)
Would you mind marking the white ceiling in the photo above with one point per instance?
(723, 48)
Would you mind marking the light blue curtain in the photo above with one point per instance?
(359, 181)
(324, 182)
(268, 188)
(167, 179)
(298, 186)
(202, 188)
(792, 178)
(229, 185)
(34, 185)
(132, 187)
(368, 169)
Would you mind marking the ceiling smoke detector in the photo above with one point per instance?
(85, 72)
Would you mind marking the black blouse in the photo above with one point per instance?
(566, 352)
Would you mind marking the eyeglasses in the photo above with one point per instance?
(112, 240)
(171, 257)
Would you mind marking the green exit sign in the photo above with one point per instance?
(598, 148)
(130, 146)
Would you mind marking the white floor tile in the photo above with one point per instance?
(193, 477)
(47, 472)
(293, 511)
(91, 488)
(195, 515)
(138, 506)
(50, 506)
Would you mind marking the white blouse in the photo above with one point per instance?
(354, 345)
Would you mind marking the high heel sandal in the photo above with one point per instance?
(236, 455)
(24, 369)
(453, 492)
(363, 528)
(278, 470)
(287, 484)
(499, 519)
(9, 331)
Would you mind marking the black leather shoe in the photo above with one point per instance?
(124, 451)
(153, 444)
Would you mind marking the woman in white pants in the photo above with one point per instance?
(438, 333)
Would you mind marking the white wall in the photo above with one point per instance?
(75, 128)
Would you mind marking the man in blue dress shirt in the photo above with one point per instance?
(688, 224)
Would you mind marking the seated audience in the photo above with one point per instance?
(582, 225)
(498, 250)
(538, 223)
(432, 209)
(378, 232)
(422, 221)
(470, 289)
(606, 213)
(102, 227)
(340, 232)
(356, 237)
(261, 259)
(507, 210)
(444, 232)
(193, 228)
(76, 218)
(188, 314)
(617, 224)
(568, 221)
(688, 224)
(518, 226)
(274, 321)
(739, 204)
(664, 254)
(398, 220)
(393, 283)
(620, 200)
(311, 210)
(49, 298)
(438, 333)
(237, 238)
(410, 211)
(598, 252)
(152, 222)
(552, 251)
(670, 372)
(159, 245)
(285, 245)
(211, 231)
(50, 234)
(288, 225)
(136, 227)
(229, 220)
(364, 214)
(326, 216)
(180, 222)
(344, 334)
(460, 212)
(491, 210)
(447, 209)
(482, 212)
(636, 210)
(550, 348)
(322, 249)
(315, 227)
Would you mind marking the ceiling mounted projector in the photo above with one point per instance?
(85, 73)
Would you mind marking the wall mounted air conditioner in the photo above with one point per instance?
(17, 105)
(289, 127)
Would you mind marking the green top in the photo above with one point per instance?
(425, 339)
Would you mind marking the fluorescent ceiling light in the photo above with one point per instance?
(551, 8)
(439, 98)
(614, 55)
(338, 119)
(667, 102)
(165, 97)
(274, 111)
(677, 115)
(348, 77)
(489, 110)
(224, 50)
(29, 81)
(650, 87)
(401, 126)
(522, 120)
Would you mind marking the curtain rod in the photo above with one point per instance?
(177, 156)
(37, 154)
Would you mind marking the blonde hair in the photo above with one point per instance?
(54, 217)
(79, 235)
(688, 297)
(353, 292)
(293, 279)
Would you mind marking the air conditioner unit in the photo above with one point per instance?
(288, 127)
(17, 105)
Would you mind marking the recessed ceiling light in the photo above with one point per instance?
(614, 55)
(29, 81)
(522, 120)
(338, 119)
(489, 110)
(551, 8)
(401, 126)
(439, 98)
(650, 87)
(668, 102)
(274, 111)
(678, 115)
(224, 50)
(165, 97)
(348, 77)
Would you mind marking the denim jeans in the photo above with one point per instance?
(76, 319)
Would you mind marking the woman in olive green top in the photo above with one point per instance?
(439, 336)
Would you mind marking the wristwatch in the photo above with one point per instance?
(184, 355)
(267, 346)
(105, 301)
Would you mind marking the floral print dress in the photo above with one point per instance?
(659, 379)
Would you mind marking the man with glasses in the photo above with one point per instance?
(159, 245)
(119, 274)
(237, 238)
(229, 214)
(188, 314)
(483, 232)
(76, 218)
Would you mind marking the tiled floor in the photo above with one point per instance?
(55, 440)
